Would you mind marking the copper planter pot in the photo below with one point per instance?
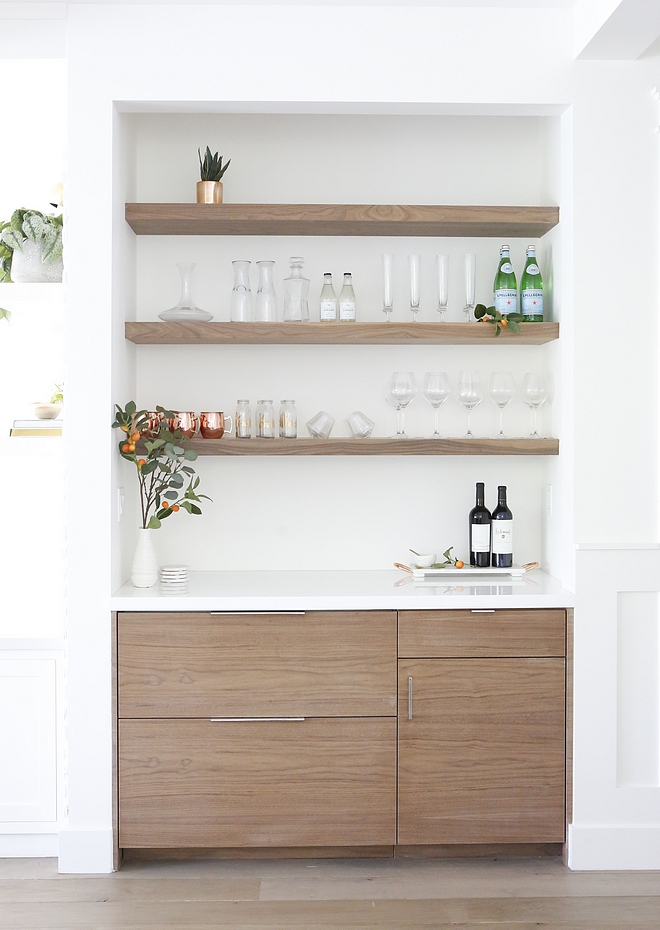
(209, 192)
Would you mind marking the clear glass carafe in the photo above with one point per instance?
(296, 289)
(265, 419)
(243, 419)
(265, 305)
(288, 420)
(186, 309)
(241, 295)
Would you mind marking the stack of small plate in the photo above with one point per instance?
(173, 579)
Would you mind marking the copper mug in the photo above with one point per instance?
(152, 429)
(185, 421)
(214, 424)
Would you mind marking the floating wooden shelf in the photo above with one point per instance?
(380, 446)
(308, 219)
(337, 334)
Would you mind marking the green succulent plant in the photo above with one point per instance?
(211, 167)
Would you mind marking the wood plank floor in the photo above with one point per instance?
(513, 894)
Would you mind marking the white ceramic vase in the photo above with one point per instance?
(27, 267)
(144, 570)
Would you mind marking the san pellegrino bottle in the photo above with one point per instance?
(479, 522)
(502, 532)
(347, 300)
(329, 305)
(531, 289)
(505, 286)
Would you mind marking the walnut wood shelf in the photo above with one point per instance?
(336, 334)
(379, 446)
(307, 219)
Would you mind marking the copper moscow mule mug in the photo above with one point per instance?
(214, 424)
(186, 421)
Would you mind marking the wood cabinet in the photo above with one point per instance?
(207, 756)
(481, 727)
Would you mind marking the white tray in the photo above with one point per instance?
(516, 571)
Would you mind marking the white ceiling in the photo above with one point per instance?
(539, 4)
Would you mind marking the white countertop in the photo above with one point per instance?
(344, 590)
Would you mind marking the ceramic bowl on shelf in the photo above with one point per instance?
(47, 411)
(425, 561)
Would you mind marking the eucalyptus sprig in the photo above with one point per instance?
(211, 168)
(449, 560)
(486, 314)
(164, 467)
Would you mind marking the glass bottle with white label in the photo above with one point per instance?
(479, 522)
(531, 289)
(329, 304)
(502, 532)
(505, 286)
(347, 300)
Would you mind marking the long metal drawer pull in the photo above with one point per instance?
(258, 613)
(254, 719)
(482, 611)
(410, 698)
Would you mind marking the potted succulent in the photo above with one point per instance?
(31, 248)
(209, 189)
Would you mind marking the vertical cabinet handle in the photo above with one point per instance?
(410, 697)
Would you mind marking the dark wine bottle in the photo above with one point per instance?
(479, 521)
(502, 532)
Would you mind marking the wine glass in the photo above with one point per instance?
(470, 271)
(535, 391)
(388, 297)
(401, 389)
(502, 389)
(442, 267)
(415, 262)
(436, 391)
(469, 393)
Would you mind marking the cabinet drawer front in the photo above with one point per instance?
(318, 782)
(483, 758)
(231, 665)
(431, 633)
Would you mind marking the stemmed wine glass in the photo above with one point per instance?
(401, 389)
(535, 391)
(443, 281)
(502, 389)
(469, 393)
(388, 298)
(415, 262)
(470, 270)
(436, 391)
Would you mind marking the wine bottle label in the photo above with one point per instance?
(480, 537)
(506, 300)
(507, 268)
(502, 537)
(328, 310)
(347, 310)
(532, 269)
(531, 302)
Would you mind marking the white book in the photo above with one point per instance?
(38, 424)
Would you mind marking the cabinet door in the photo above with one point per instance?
(482, 760)
(314, 782)
(319, 664)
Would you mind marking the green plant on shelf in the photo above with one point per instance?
(43, 229)
(211, 167)
(164, 466)
(484, 314)
(57, 397)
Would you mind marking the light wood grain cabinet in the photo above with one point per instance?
(481, 734)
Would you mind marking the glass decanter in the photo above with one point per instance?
(185, 309)
(241, 296)
(296, 289)
(265, 304)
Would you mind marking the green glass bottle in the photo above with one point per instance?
(531, 289)
(505, 286)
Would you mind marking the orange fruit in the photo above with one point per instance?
(176, 508)
(459, 564)
(131, 446)
(505, 322)
(164, 505)
(141, 462)
(126, 447)
(125, 429)
(135, 437)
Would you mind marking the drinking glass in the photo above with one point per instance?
(320, 426)
(240, 307)
(359, 425)
(470, 394)
(436, 391)
(415, 263)
(265, 305)
(388, 297)
(535, 391)
(401, 389)
(442, 265)
(502, 389)
(470, 271)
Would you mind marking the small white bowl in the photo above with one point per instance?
(47, 411)
(425, 561)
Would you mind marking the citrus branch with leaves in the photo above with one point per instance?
(165, 467)
(486, 314)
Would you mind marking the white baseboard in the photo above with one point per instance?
(613, 848)
(85, 851)
(28, 845)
